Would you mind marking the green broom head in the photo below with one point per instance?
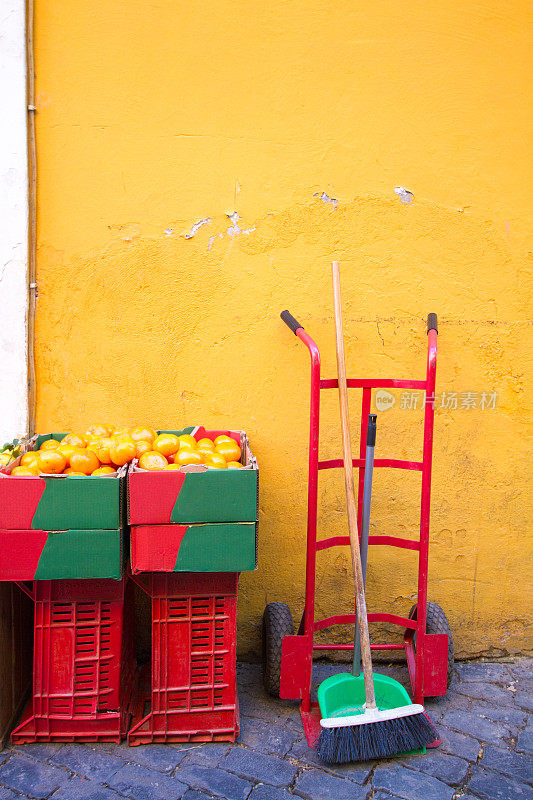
(351, 732)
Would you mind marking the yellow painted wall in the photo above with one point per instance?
(152, 116)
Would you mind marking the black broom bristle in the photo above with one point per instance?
(375, 739)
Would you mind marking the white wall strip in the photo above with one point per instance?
(13, 222)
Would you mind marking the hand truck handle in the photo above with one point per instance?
(432, 323)
(289, 320)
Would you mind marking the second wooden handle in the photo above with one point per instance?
(366, 658)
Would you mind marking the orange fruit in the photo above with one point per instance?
(102, 447)
(187, 456)
(74, 439)
(119, 432)
(166, 443)
(98, 430)
(49, 444)
(143, 434)
(186, 445)
(70, 471)
(152, 460)
(234, 465)
(206, 444)
(66, 450)
(51, 462)
(215, 461)
(103, 471)
(230, 450)
(223, 438)
(27, 471)
(186, 438)
(142, 446)
(172, 466)
(84, 461)
(29, 458)
(122, 451)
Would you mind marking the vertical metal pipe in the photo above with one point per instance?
(32, 212)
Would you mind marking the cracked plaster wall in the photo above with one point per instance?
(297, 123)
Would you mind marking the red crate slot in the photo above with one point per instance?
(191, 691)
(84, 668)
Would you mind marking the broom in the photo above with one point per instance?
(366, 716)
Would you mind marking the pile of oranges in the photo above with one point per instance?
(101, 449)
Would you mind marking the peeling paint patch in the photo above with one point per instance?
(195, 228)
(168, 231)
(404, 194)
(327, 199)
(235, 229)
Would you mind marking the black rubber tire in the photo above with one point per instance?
(277, 623)
(437, 622)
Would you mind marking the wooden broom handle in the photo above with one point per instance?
(366, 658)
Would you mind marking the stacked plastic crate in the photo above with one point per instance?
(192, 533)
(62, 542)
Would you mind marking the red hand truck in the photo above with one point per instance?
(427, 639)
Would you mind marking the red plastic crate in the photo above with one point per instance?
(192, 694)
(84, 668)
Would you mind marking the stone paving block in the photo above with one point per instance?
(303, 754)
(458, 744)
(484, 671)
(42, 751)
(316, 785)
(161, 757)
(524, 743)
(266, 737)
(31, 777)
(524, 699)
(409, 784)
(264, 792)
(474, 725)
(437, 707)
(258, 706)
(516, 765)
(521, 668)
(215, 781)
(8, 794)
(82, 789)
(209, 754)
(88, 761)
(140, 783)
(192, 794)
(491, 786)
(383, 796)
(488, 692)
(447, 768)
(515, 718)
(259, 767)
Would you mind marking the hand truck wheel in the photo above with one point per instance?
(437, 622)
(277, 623)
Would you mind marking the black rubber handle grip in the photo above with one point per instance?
(432, 323)
(371, 430)
(289, 320)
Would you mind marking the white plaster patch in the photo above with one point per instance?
(327, 199)
(404, 194)
(196, 227)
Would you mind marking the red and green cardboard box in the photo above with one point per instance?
(27, 555)
(209, 547)
(192, 497)
(61, 502)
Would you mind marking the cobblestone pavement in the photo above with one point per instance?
(487, 742)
